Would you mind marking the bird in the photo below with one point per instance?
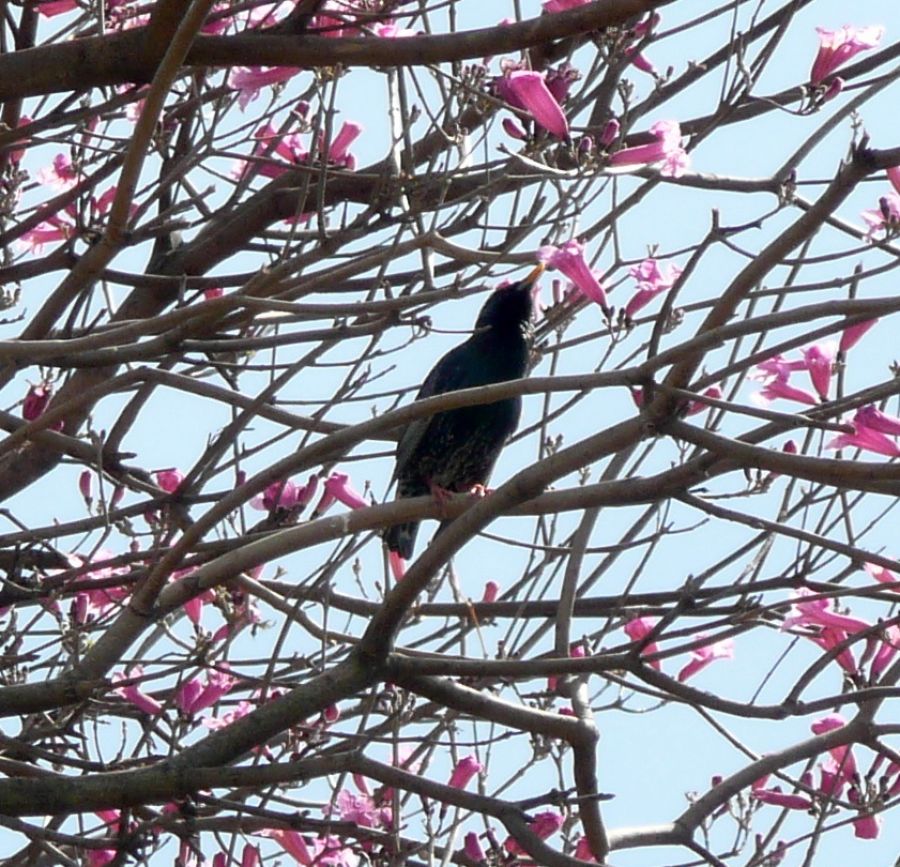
(455, 451)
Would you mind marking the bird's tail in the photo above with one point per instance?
(402, 538)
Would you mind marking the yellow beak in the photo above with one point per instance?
(536, 273)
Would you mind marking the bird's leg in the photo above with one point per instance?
(480, 491)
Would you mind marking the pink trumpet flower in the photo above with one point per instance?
(466, 768)
(703, 656)
(852, 334)
(528, 90)
(637, 630)
(818, 360)
(666, 150)
(544, 825)
(864, 437)
(569, 258)
(836, 47)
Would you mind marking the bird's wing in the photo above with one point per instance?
(449, 374)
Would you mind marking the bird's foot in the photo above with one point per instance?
(442, 496)
(480, 491)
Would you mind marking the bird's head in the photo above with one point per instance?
(511, 306)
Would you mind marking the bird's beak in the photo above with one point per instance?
(536, 273)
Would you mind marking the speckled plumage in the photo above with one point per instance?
(457, 450)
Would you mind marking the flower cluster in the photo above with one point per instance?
(817, 360)
(818, 619)
(839, 779)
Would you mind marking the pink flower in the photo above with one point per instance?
(583, 851)
(249, 80)
(513, 129)
(473, 849)
(867, 826)
(169, 480)
(281, 494)
(85, 483)
(828, 638)
(528, 90)
(651, 281)
(292, 842)
(886, 652)
(392, 30)
(879, 573)
(336, 26)
(60, 175)
(250, 856)
(289, 147)
(886, 217)
(544, 825)
(560, 80)
(338, 487)
(569, 258)
(842, 755)
(53, 229)
(777, 366)
(36, 401)
(893, 173)
(640, 61)
(703, 656)
(779, 387)
(836, 47)
(781, 799)
(213, 292)
(638, 33)
(361, 809)
(697, 406)
(52, 8)
(491, 591)
(338, 152)
(851, 335)
(638, 630)
(666, 149)
(214, 723)
(826, 627)
(832, 778)
(864, 437)
(576, 651)
(818, 358)
(132, 692)
(194, 696)
(872, 417)
(820, 612)
(465, 769)
(610, 132)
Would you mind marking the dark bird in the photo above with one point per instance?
(456, 450)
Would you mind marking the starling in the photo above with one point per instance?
(456, 450)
